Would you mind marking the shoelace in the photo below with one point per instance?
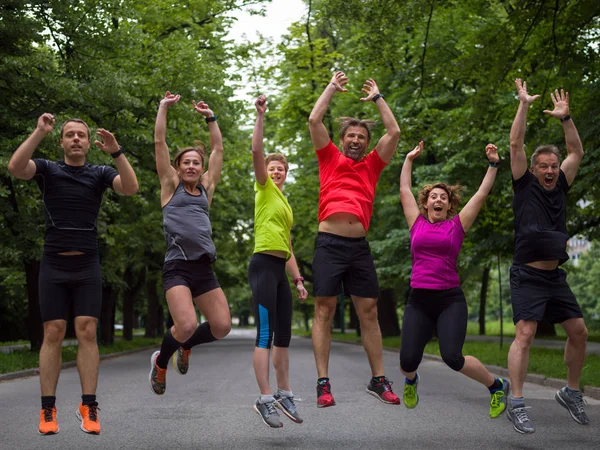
(185, 354)
(578, 401)
(521, 413)
(324, 389)
(270, 407)
(93, 412)
(496, 396)
(409, 390)
(48, 413)
(387, 384)
(160, 375)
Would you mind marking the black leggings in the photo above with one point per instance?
(425, 309)
(272, 300)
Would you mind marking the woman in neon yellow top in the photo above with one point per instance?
(271, 291)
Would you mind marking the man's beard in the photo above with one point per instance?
(354, 153)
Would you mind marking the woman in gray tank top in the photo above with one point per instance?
(186, 192)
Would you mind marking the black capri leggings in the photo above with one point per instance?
(272, 300)
(425, 309)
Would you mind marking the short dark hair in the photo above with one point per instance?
(198, 147)
(62, 129)
(277, 157)
(545, 150)
(453, 192)
(347, 122)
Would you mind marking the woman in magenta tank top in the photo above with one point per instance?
(436, 298)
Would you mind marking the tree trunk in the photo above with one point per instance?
(387, 315)
(545, 328)
(134, 283)
(107, 316)
(485, 278)
(153, 316)
(36, 331)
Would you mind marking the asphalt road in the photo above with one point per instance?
(211, 408)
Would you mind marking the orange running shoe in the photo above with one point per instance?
(48, 423)
(157, 376)
(181, 360)
(88, 414)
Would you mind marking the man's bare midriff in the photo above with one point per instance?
(343, 224)
(278, 253)
(71, 253)
(544, 265)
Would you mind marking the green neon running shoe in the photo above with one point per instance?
(498, 400)
(410, 397)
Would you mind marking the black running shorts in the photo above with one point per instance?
(197, 275)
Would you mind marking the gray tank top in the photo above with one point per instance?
(186, 222)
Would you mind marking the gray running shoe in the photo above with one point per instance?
(181, 360)
(268, 413)
(573, 402)
(288, 407)
(520, 419)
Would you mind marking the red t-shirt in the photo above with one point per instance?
(346, 185)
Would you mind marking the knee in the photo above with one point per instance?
(524, 336)
(220, 329)
(85, 330)
(579, 335)
(454, 361)
(185, 330)
(409, 363)
(324, 312)
(283, 340)
(54, 332)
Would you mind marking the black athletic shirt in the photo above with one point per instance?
(72, 197)
(540, 220)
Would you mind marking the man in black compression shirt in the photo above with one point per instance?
(538, 286)
(70, 268)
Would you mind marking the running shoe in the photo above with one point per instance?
(383, 391)
(88, 414)
(498, 400)
(324, 397)
(181, 360)
(48, 422)
(268, 413)
(288, 407)
(520, 419)
(410, 396)
(157, 376)
(573, 402)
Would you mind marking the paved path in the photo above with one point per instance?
(211, 408)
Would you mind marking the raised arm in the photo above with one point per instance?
(518, 159)
(215, 162)
(318, 132)
(292, 268)
(409, 203)
(126, 182)
(388, 143)
(166, 173)
(574, 147)
(258, 157)
(469, 212)
(21, 165)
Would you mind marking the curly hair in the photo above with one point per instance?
(277, 157)
(198, 147)
(454, 197)
(347, 122)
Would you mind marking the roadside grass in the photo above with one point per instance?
(543, 361)
(25, 359)
(492, 328)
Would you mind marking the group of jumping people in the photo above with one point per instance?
(70, 278)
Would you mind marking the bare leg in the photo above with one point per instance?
(88, 358)
(518, 355)
(477, 371)
(366, 310)
(181, 307)
(281, 362)
(575, 350)
(321, 333)
(51, 356)
(261, 369)
(213, 305)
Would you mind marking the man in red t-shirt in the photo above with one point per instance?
(342, 254)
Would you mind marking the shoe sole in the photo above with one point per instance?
(49, 433)
(288, 415)
(506, 396)
(562, 403)
(263, 419)
(78, 414)
(515, 427)
(174, 361)
(376, 395)
(152, 362)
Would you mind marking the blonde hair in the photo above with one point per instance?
(198, 147)
(454, 197)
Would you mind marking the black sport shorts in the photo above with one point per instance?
(340, 260)
(70, 282)
(197, 275)
(537, 294)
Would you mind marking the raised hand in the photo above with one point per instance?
(370, 89)
(491, 151)
(169, 99)
(261, 104)
(202, 108)
(522, 92)
(561, 104)
(109, 142)
(46, 123)
(339, 80)
(415, 152)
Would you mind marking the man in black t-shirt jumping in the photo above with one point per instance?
(70, 267)
(538, 286)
